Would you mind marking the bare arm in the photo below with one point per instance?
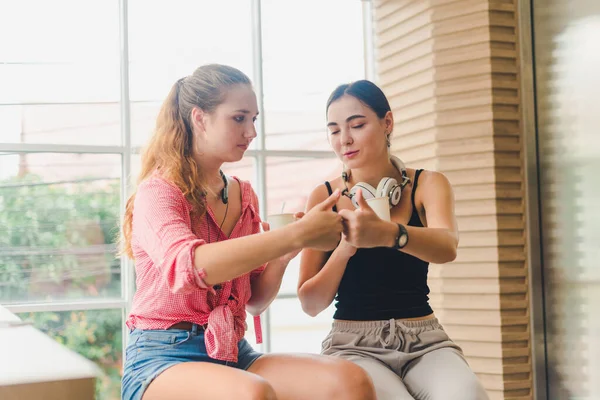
(266, 285)
(318, 289)
(229, 259)
(187, 263)
(320, 277)
(435, 243)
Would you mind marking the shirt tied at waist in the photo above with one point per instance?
(222, 334)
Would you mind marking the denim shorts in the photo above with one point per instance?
(150, 352)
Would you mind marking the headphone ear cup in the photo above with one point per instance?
(225, 195)
(389, 187)
(395, 195)
(225, 191)
(368, 192)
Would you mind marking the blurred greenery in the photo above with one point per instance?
(57, 241)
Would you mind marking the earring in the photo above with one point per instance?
(389, 144)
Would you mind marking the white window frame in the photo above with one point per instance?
(125, 150)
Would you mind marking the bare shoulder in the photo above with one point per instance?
(317, 195)
(433, 179)
(320, 192)
(238, 185)
(432, 184)
(241, 186)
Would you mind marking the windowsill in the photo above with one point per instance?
(29, 357)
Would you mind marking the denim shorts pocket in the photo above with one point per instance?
(161, 339)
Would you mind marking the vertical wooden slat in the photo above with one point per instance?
(450, 70)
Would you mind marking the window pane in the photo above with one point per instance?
(291, 180)
(96, 335)
(89, 124)
(294, 331)
(75, 61)
(54, 57)
(328, 34)
(192, 33)
(136, 165)
(143, 120)
(59, 217)
(289, 284)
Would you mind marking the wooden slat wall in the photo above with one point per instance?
(450, 70)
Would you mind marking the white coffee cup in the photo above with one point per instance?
(381, 206)
(277, 221)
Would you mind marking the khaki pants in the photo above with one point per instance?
(406, 360)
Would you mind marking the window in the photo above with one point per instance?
(309, 48)
(305, 57)
(192, 32)
(59, 218)
(75, 109)
(61, 168)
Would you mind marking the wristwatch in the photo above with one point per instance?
(402, 238)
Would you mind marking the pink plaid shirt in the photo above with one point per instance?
(169, 287)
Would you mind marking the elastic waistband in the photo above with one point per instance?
(359, 325)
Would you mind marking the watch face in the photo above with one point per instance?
(402, 240)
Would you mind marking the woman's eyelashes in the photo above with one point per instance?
(241, 118)
(353, 127)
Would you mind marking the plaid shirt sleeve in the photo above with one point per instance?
(162, 225)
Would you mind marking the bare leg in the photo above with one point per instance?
(206, 381)
(314, 377)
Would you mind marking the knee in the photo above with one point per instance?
(351, 382)
(258, 389)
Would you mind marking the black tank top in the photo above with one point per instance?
(382, 283)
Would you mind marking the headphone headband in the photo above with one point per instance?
(399, 164)
(387, 186)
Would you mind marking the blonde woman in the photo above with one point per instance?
(201, 262)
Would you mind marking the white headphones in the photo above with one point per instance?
(386, 187)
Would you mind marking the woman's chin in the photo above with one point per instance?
(235, 156)
(353, 163)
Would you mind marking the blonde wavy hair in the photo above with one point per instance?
(172, 148)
